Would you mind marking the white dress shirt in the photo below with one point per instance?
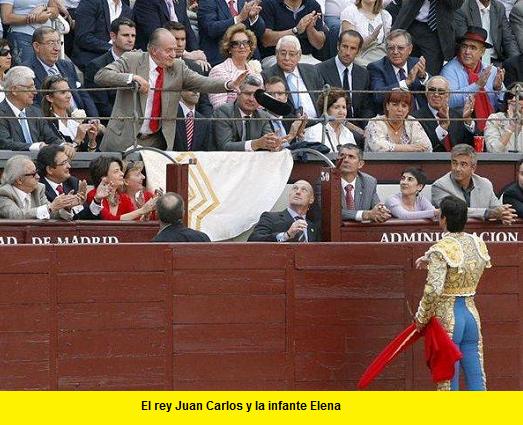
(115, 9)
(344, 184)
(42, 212)
(153, 75)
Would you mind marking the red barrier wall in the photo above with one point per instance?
(230, 316)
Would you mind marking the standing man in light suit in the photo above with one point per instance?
(154, 71)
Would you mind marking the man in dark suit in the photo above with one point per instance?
(123, 35)
(340, 71)
(359, 198)
(22, 134)
(291, 224)
(516, 23)
(398, 69)
(297, 76)
(430, 22)
(513, 70)
(513, 194)
(152, 14)
(445, 129)
(243, 133)
(499, 32)
(53, 167)
(170, 209)
(46, 45)
(191, 134)
(215, 16)
(92, 28)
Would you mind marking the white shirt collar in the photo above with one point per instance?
(483, 8)
(294, 214)
(344, 184)
(152, 65)
(53, 184)
(15, 110)
(47, 67)
(404, 67)
(342, 67)
(296, 73)
(21, 194)
(434, 111)
(115, 56)
(185, 108)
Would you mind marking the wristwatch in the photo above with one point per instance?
(295, 31)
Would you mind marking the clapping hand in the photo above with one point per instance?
(498, 81)
(483, 77)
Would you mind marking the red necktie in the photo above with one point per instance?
(60, 189)
(189, 127)
(156, 111)
(349, 199)
(232, 9)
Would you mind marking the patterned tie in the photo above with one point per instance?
(52, 71)
(246, 128)
(232, 9)
(293, 89)
(349, 198)
(156, 111)
(189, 127)
(401, 74)
(25, 128)
(60, 189)
(431, 18)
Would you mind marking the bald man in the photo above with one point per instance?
(291, 224)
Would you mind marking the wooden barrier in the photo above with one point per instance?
(231, 316)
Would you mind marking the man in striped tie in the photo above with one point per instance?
(430, 22)
(192, 133)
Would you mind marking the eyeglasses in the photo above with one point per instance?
(52, 43)
(437, 90)
(31, 174)
(400, 49)
(64, 162)
(5, 52)
(241, 43)
(284, 53)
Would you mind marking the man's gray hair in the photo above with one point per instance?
(398, 33)
(156, 35)
(463, 149)
(251, 80)
(18, 76)
(436, 78)
(14, 168)
(289, 39)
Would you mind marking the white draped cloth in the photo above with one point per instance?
(228, 191)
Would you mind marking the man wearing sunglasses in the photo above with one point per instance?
(445, 128)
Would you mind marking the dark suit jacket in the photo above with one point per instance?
(214, 18)
(513, 70)
(365, 196)
(228, 133)
(92, 28)
(67, 70)
(204, 105)
(500, 32)
(272, 223)
(457, 131)
(201, 135)
(309, 75)
(445, 19)
(383, 77)
(180, 233)
(513, 195)
(362, 104)
(70, 184)
(152, 14)
(11, 135)
(103, 100)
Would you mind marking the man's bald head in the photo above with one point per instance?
(170, 208)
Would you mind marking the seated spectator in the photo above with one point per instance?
(22, 197)
(398, 69)
(499, 33)
(133, 186)
(46, 44)
(298, 77)
(446, 129)
(5, 64)
(93, 26)
(301, 18)
(336, 133)
(513, 70)
(82, 136)
(291, 224)
(467, 76)
(341, 71)
(23, 134)
(151, 14)
(516, 23)
(107, 171)
(359, 199)
(513, 193)
(373, 23)
(476, 191)
(396, 130)
(503, 133)
(23, 18)
(170, 209)
(241, 133)
(191, 134)
(123, 35)
(54, 166)
(215, 16)
(409, 204)
(238, 45)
